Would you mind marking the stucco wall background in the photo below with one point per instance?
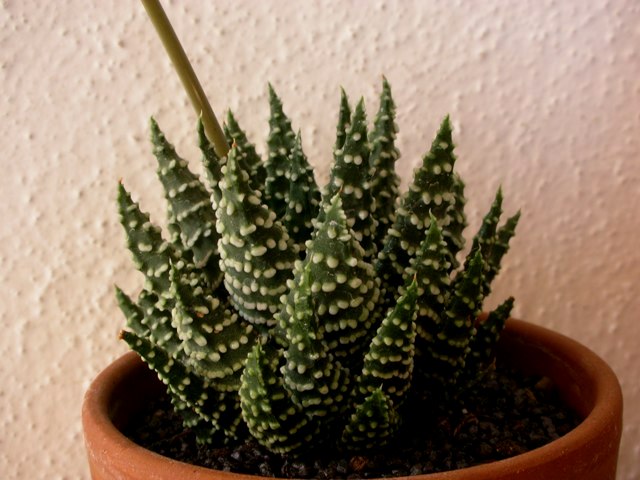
(544, 97)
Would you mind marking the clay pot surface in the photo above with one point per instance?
(586, 382)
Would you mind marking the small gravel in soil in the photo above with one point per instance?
(503, 416)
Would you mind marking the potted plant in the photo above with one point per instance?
(335, 321)
(311, 321)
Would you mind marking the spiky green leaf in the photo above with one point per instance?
(158, 320)
(303, 199)
(501, 246)
(372, 425)
(389, 362)
(193, 393)
(485, 239)
(256, 251)
(350, 176)
(273, 418)
(246, 152)
(132, 312)
(280, 143)
(431, 268)
(344, 288)
(216, 340)
(190, 209)
(344, 120)
(316, 382)
(385, 182)
(483, 344)
(152, 255)
(431, 192)
(450, 347)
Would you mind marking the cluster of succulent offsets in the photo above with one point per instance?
(296, 314)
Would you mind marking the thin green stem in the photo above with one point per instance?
(187, 75)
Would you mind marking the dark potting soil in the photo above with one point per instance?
(507, 414)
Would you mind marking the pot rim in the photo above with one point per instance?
(604, 415)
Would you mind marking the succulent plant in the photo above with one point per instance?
(273, 311)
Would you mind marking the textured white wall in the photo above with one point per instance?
(544, 96)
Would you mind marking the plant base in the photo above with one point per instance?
(586, 383)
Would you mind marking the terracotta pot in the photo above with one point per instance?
(589, 452)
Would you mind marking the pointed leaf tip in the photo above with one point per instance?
(156, 133)
(232, 123)
(200, 126)
(123, 194)
(446, 123)
(273, 96)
